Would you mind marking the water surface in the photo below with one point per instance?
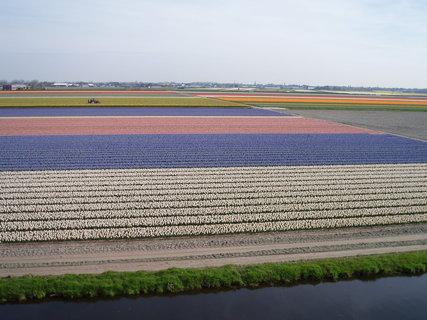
(386, 298)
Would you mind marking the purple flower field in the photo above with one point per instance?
(204, 150)
(136, 111)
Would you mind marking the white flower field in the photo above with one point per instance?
(138, 203)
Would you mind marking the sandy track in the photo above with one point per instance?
(156, 254)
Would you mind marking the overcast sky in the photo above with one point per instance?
(314, 42)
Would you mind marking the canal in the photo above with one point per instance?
(384, 298)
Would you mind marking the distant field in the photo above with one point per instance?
(328, 102)
(120, 101)
(373, 107)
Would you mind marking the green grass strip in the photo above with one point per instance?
(109, 284)
(319, 104)
(342, 107)
(361, 108)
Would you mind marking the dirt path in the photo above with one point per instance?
(99, 256)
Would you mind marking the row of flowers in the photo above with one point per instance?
(160, 172)
(120, 190)
(356, 206)
(170, 185)
(84, 223)
(188, 172)
(210, 170)
(108, 162)
(35, 182)
(162, 202)
(132, 196)
(205, 229)
(391, 176)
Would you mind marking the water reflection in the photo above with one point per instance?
(386, 298)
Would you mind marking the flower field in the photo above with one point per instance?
(102, 204)
(325, 101)
(139, 101)
(136, 112)
(71, 152)
(169, 125)
(81, 174)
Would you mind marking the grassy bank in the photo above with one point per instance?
(178, 280)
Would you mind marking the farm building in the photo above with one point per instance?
(60, 84)
(15, 87)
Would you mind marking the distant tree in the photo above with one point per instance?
(36, 85)
(17, 82)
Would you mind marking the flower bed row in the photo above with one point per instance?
(285, 196)
(205, 229)
(129, 222)
(198, 191)
(172, 188)
(222, 177)
(328, 207)
(168, 172)
(263, 172)
(165, 203)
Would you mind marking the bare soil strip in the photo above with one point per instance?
(155, 254)
(403, 123)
